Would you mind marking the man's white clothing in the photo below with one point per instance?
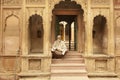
(60, 46)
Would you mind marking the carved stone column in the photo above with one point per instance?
(111, 44)
(89, 47)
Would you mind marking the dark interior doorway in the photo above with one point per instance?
(66, 26)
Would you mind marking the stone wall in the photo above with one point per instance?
(16, 61)
(117, 34)
(102, 63)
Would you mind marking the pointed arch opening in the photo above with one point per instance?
(99, 34)
(12, 35)
(36, 33)
(11, 43)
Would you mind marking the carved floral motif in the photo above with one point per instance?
(40, 2)
(100, 2)
(12, 2)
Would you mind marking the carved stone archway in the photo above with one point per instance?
(83, 3)
(70, 8)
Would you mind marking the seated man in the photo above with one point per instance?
(59, 48)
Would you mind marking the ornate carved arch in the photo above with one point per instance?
(68, 5)
(100, 20)
(10, 16)
(52, 3)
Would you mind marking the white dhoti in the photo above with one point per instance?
(59, 46)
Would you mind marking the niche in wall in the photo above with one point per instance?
(99, 34)
(11, 44)
(36, 33)
(11, 35)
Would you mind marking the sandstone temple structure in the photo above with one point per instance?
(90, 29)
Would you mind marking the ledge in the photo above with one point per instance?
(36, 56)
(99, 56)
(28, 74)
(8, 74)
(117, 55)
(8, 55)
(104, 74)
(117, 7)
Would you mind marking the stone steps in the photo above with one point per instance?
(67, 61)
(75, 55)
(69, 73)
(70, 67)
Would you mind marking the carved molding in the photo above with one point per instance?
(100, 2)
(8, 12)
(32, 11)
(12, 2)
(32, 2)
(52, 3)
(67, 4)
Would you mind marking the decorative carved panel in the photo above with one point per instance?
(101, 65)
(10, 64)
(35, 64)
(34, 2)
(100, 2)
(12, 2)
(117, 2)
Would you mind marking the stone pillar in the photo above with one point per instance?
(111, 43)
(111, 37)
(89, 47)
(24, 31)
(0, 28)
